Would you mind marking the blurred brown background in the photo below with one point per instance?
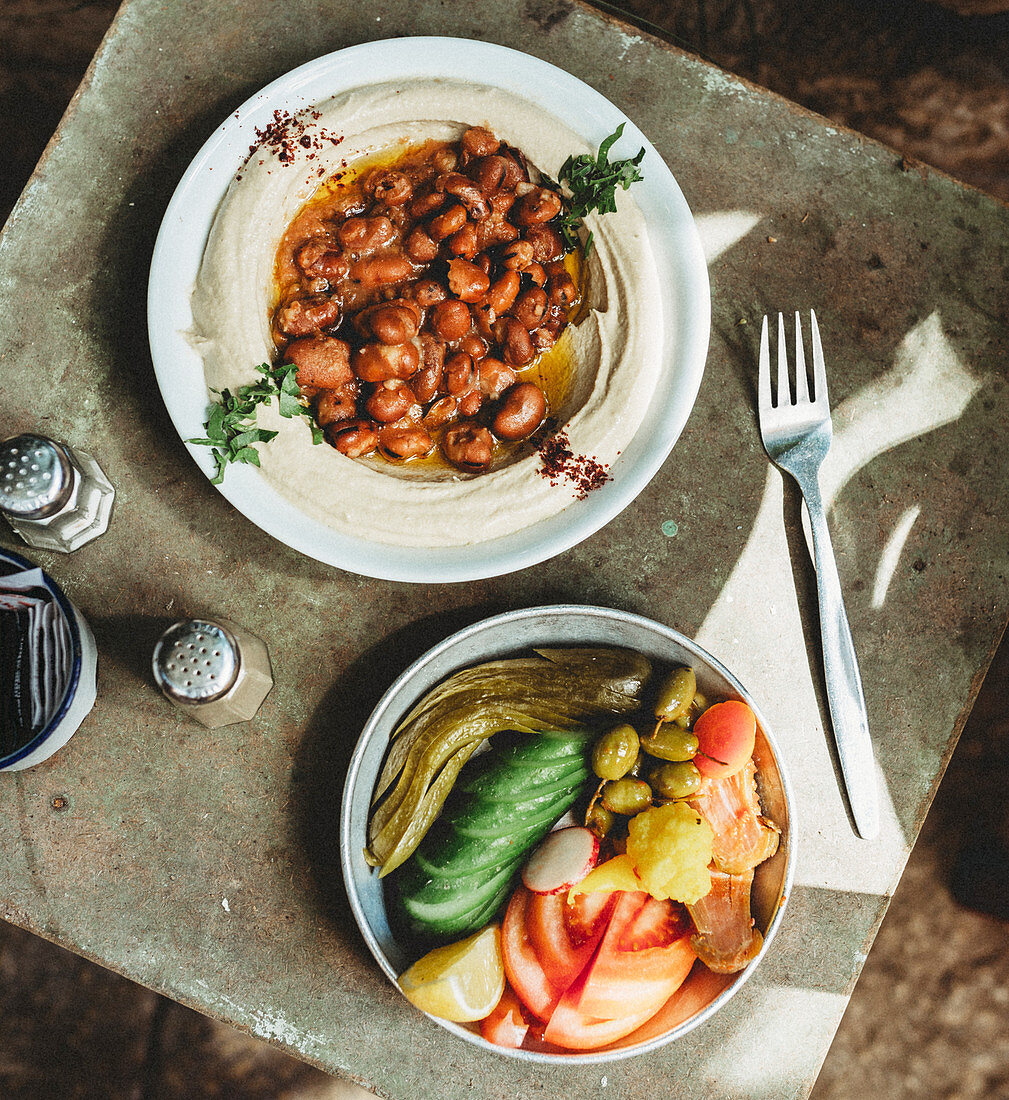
(930, 1014)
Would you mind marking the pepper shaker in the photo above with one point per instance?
(54, 496)
(216, 672)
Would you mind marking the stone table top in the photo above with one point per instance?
(203, 863)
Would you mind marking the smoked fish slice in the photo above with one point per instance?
(743, 837)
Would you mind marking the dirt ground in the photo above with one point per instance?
(929, 1017)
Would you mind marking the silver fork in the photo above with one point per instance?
(796, 436)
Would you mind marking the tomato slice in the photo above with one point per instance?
(523, 968)
(565, 934)
(506, 1026)
(573, 1029)
(642, 959)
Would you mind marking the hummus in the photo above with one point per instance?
(614, 347)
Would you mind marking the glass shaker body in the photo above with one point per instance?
(215, 671)
(54, 497)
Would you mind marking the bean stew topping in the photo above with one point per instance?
(420, 300)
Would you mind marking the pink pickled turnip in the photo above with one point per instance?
(563, 859)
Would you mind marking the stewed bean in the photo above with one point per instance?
(354, 438)
(487, 173)
(562, 290)
(450, 319)
(392, 188)
(322, 361)
(379, 271)
(531, 307)
(503, 291)
(365, 235)
(474, 346)
(471, 402)
(394, 324)
(466, 281)
(467, 192)
(441, 412)
(517, 255)
(536, 273)
(538, 206)
(428, 291)
(447, 222)
(495, 377)
(521, 412)
(464, 242)
(479, 142)
(459, 373)
(517, 347)
(332, 406)
(546, 242)
(401, 442)
(319, 258)
(444, 160)
(389, 401)
(382, 362)
(421, 247)
(304, 316)
(426, 204)
(468, 446)
(514, 173)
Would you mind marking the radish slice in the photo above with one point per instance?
(561, 861)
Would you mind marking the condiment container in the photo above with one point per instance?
(216, 672)
(79, 686)
(54, 496)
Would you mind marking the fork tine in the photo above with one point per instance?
(764, 370)
(819, 368)
(801, 385)
(784, 391)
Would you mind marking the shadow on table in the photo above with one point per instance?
(323, 757)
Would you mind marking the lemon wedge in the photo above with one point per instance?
(461, 981)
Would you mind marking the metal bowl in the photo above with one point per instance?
(513, 634)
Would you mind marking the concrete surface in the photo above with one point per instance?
(950, 1041)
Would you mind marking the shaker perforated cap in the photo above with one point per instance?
(36, 478)
(195, 661)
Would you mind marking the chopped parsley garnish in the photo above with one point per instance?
(593, 183)
(230, 424)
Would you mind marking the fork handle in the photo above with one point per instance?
(840, 668)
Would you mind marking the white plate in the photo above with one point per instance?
(683, 275)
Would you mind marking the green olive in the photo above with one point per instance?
(640, 765)
(698, 705)
(614, 753)
(675, 694)
(679, 779)
(627, 796)
(671, 742)
(599, 820)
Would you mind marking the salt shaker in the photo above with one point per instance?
(54, 496)
(216, 672)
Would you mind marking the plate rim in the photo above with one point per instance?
(194, 204)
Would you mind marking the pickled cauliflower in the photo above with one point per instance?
(670, 847)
